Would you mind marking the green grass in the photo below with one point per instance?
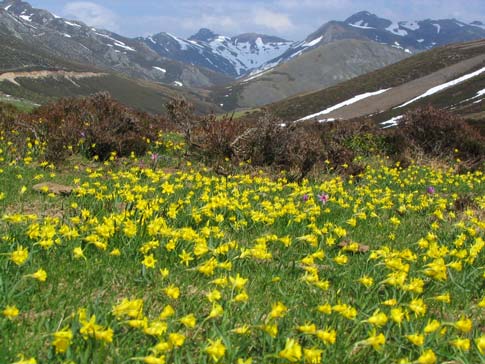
(261, 229)
(20, 104)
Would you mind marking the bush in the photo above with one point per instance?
(437, 133)
(96, 125)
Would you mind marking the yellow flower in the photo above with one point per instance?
(20, 255)
(189, 320)
(461, 344)
(215, 349)
(175, 339)
(164, 272)
(23, 360)
(418, 306)
(428, 357)
(378, 319)
(167, 312)
(443, 298)
(341, 259)
(238, 282)
(271, 330)
(115, 252)
(244, 361)
(40, 275)
(327, 336)
(216, 311)
(10, 312)
(432, 326)
(62, 340)
(278, 310)
(185, 258)
(398, 315)
(307, 328)
(325, 308)
(78, 253)
(312, 356)
(151, 359)
(416, 339)
(241, 297)
(292, 351)
(242, 330)
(149, 261)
(172, 292)
(366, 281)
(376, 341)
(464, 324)
(130, 308)
(390, 302)
(480, 342)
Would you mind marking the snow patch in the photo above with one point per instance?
(446, 85)
(66, 35)
(438, 28)
(26, 17)
(411, 25)
(392, 122)
(345, 103)
(361, 25)
(72, 24)
(8, 7)
(394, 29)
(160, 69)
(177, 83)
(420, 40)
(313, 42)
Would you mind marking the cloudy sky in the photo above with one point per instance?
(290, 19)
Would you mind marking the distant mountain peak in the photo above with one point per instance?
(366, 19)
(203, 35)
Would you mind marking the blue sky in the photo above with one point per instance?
(290, 19)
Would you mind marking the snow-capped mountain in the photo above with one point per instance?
(409, 36)
(80, 43)
(233, 56)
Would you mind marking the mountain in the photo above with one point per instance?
(451, 77)
(409, 36)
(77, 42)
(322, 66)
(232, 56)
(31, 72)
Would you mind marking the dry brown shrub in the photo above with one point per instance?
(96, 125)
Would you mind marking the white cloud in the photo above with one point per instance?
(272, 20)
(92, 14)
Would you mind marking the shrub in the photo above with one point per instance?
(438, 133)
(96, 125)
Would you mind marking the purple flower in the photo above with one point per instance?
(154, 156)
(305, 197)
(323, 198)
(430, 190)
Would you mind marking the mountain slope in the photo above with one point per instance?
(78, 42)
(232, 56)
(450, 77)
(320, 67)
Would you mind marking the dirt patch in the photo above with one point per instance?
(71, 76)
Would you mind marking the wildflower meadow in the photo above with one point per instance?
(157, 259)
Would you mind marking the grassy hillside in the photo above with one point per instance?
(144, 95)
(391, 76)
